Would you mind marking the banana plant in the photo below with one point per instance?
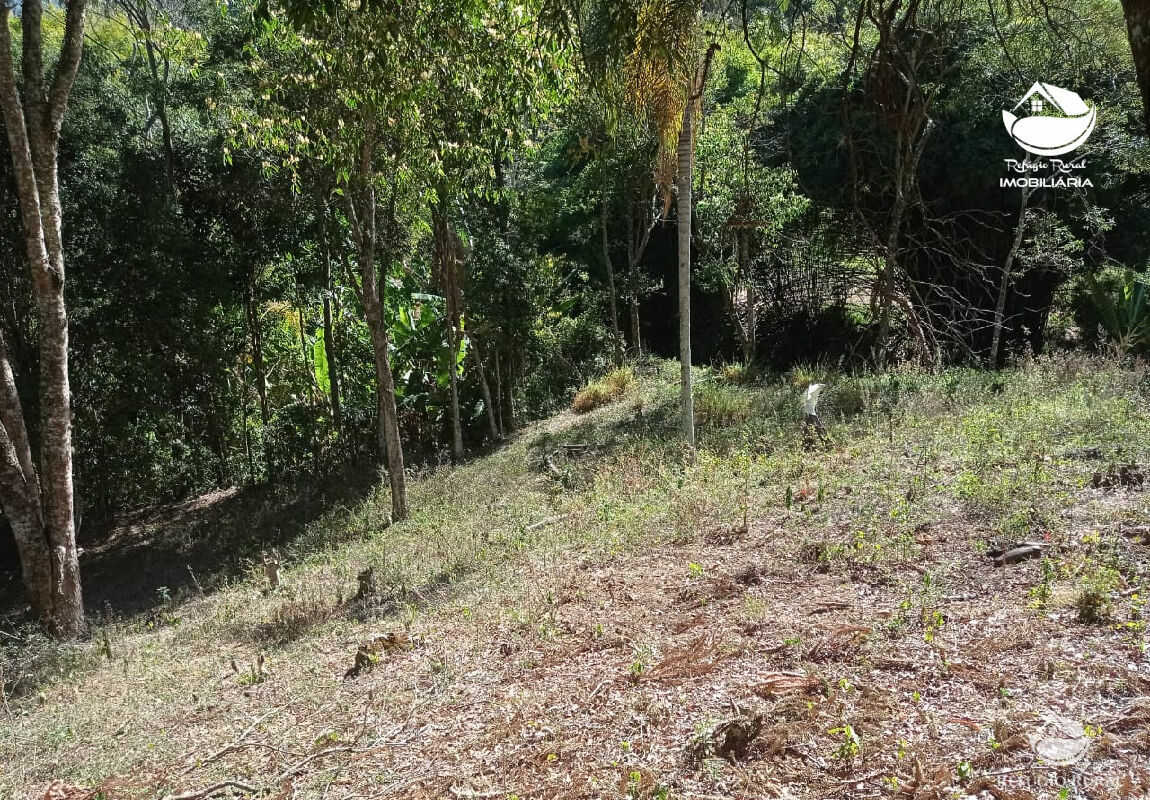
(423, 353)
(1125, 313)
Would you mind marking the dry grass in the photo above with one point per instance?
(583, 638)
(606, 390)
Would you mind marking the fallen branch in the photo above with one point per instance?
(545, 522)
(208, 791)
(1020, 552)
(236, 743)
(599, 688)
(296, 767)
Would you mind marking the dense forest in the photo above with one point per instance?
(304, 235)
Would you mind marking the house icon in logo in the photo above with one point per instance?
(1058, 122)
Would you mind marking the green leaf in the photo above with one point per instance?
(319, 359)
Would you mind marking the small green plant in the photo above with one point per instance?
(932, 623)
(849, 745)
(696, 570)
(1040, 593)
(965, 771)
(635, 785)
(325, 740)
(255, 673)
(931, 618)
(642, 662)
(1093, 601)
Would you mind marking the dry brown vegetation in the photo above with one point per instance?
(768, 623)
(601, 392)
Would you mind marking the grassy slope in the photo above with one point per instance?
(582, 635)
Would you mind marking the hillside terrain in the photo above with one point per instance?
(945, 598)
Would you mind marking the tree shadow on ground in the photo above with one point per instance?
(132, 560)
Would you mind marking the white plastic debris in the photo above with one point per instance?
(811, 398)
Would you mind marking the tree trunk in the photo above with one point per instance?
(752, 323)
(1138, 31)
(616, 337)
(498, 390)
(747, 337)
(908, 155)
(1007, 274)
(40, 505)
(361, 216)
(160, 90)
(447, 256)
(886, 279)
(257, 342)
(509, 388)
(477, 357)
(685, 155)
(20, 494)
(637, 238)
(139, 13)
(387, 430)
(636, 337)
(328, 324)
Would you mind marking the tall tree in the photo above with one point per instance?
(613, 298)
(39, 504)
(361, 214)
(449, 266)
(1138, 29)
(664, 79)
(686, 157)
(324, 101)
(1007, 275)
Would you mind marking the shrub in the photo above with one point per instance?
(601, 392)
(847, 398)
(619, 381)
(288, 621)
(1093, 601)
(718, 404)
(29, 660)
(736, 374)
(801, 376)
